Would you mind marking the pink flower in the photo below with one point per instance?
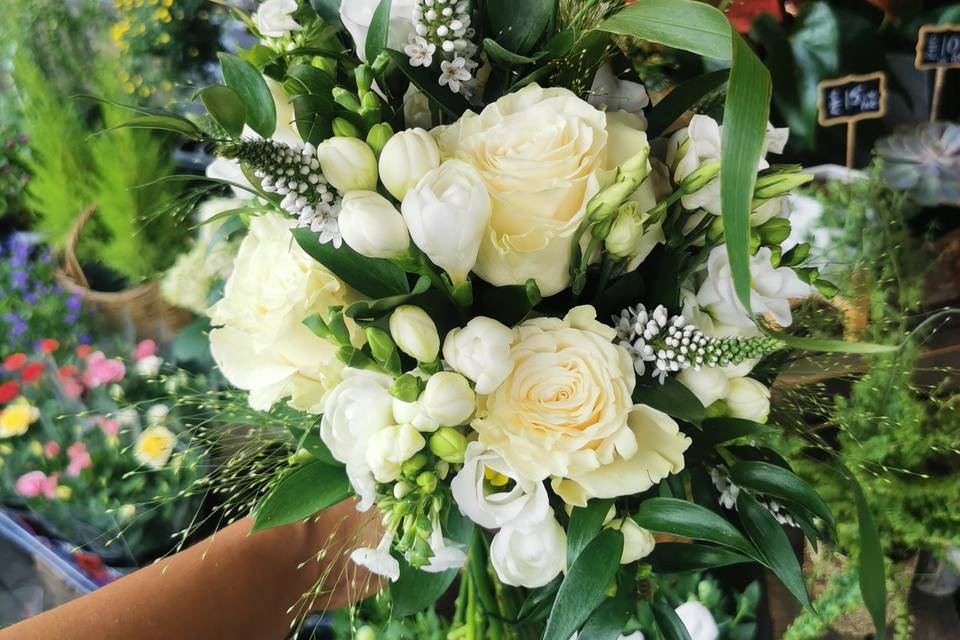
(71, 388)
(144, 349)
(79, 459)
(109, 426)
(36, 483)
(51, 449)
(102, 370)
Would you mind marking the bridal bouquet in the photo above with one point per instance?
(529, 323)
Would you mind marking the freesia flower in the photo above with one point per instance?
(406, 158)
(698, 620)
(154, 446)
(378, 560)
(274, 18)
(480, 351)
(445, 553)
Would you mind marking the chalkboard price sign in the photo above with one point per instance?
(938, 46)
(852, 98)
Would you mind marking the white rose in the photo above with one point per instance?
(148, 366)
(539, 152)
(748, 399)
(529, 557)
(709, 384)
(274, 18)
(371, 226)
(610, 93)
(349, 164)
(658, 452)
(448, 399)
(447, 213)
(357, 14)
(484, 492)
(771, 289)
(415, 333)
(481, 352)
(698, 620)
(389, 448)
(637, 541)
(259, 341)
(408, 156)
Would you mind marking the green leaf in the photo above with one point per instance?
(373, 309)
(504, 56)
(415, 590)
(773, 544)
(509, 304)
(585, 523)
(518, 25)
(608, 620)
(306, 79)
(302, 492)
(780, 483)
(668, 622)
(680, 99)
(329, 10)
(582, 588)
(372, 277)
(718, 430)
(873, 583)
(677, 557)
(225, 106)
(425, 80)
(312, 116)
(681, 24)
(245, 79)
(379, 31)
(673, 399)
(682, 518)
(174, 124)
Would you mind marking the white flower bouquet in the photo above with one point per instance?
(533, 328)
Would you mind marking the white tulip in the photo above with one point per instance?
(348, 164)
(481, 352)
(529, 557)
(709, 384)
(748, 399)
(389, 448)
(274, 18)
(378, 561)
(698, 620)
(483, 491)
(447, 213)
(637, 541)
(408, 156)
(371, 226)
(448, 399)
(415, 333)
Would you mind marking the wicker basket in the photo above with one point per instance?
(140, 308)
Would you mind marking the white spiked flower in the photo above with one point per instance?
(420, 51)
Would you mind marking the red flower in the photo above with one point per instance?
(8, 391)
(49, 345)
(32, 372)
(68, 371)
(84, 350)
(14, 361)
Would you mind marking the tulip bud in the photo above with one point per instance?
(748, 399)
(378, 136)
(346, 99)
(626, 231)
(415, 333)
(448, 398)
(371, 226)
(364, 77)
(348, 164)
(699, 178)
(779, 184)
(774, 231)
(448, 444)
(407, 156)
(344, 128)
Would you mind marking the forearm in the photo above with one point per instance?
(232, 585)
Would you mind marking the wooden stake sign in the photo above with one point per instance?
(848, 100)
(938, 47)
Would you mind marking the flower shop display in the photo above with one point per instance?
(96, 447)
(509, 311)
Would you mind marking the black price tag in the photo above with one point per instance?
(938, 46)
(852, 98)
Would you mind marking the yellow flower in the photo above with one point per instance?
(17, 417)
(154, 447)
(63, 492)
(36, 448)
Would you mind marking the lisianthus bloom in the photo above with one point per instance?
(51, 449)
(17, 417)
(79, 459)
(34, 484)
(101, 370)
(145, 349)
(154, 447)
(109, 426)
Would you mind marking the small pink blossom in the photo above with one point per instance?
(79, 459)
(36, 483)
(145, 349)
(51, 449)
(109, 426)
(102, 370)
(71, 388)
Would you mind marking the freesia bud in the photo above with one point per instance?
(637, 542)
(448, 444)
(346, 99)
(348, 164)
(448, 398)
(364, 77)
(699, 178)
(796, 255)
(415, 333)
(344, 128)
(389, 448)
(447, 214)
(407, 388)
(408, 156)
(779, 184)
(371, 226)
(774, 231)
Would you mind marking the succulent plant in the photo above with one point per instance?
(925, 161)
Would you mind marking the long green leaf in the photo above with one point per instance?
(245, 79)
(301, 493)
(682, 518)
(773, 544)
(379, 31)
(873, 583)
(162, 123)
(517, 25)
(582, 589)
(677, 557)
(681, 24)
(717, 430)
(585, 523)
(225, 106)
(778, 482)
(607, 621)
(373, 309)
(372, 277)
(680, 99)
(673, 399)
(668, 622)
(425, 80)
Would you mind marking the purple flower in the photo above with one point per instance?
(20, 279)
(74, 302)
(31, 298)
(84, 338)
